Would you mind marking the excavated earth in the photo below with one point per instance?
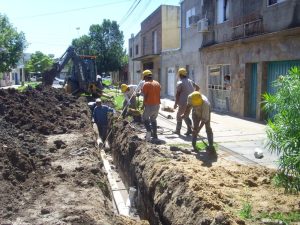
(50, 169)
(51, 172)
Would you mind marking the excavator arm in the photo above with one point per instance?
(83, 72)
(49, 75)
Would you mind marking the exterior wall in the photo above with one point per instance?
(260, 49)
(164, 22)
(153, 23)
(134, 67)
(249, 18)
(177, 59)
(170, 27)
(188, 54)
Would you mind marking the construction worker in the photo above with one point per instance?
(184, 87)
(130, 97)
(151, 91)
(201, 116)
(100, 116)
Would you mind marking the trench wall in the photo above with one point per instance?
(164, 195)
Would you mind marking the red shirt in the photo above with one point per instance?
(151, 91)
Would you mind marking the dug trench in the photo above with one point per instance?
(51, 171)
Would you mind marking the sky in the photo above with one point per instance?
(51, 25)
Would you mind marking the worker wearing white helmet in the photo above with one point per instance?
(151, 91)
(184, 87)
(201, 116)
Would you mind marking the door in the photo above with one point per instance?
(253, 91)
(171, 81)
(275, 69)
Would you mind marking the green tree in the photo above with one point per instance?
(12, 45)
(283, 129)
(106, 42)
(38, 63)
(83, 45)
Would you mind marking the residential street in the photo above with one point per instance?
(232, 135)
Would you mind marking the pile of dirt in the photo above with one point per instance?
(50, 168)
(43, 110)
(176, 188)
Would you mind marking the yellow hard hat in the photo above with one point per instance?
(196, 98)
(124, 87)
(182, 71)
(146, 73)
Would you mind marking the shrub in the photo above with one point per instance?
(283, 128)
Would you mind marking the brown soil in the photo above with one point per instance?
(51, 172)
(50, 169)
(176, 188)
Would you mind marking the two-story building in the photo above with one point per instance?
(247, 46)
(159, 32)
(234, 49)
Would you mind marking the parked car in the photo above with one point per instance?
(33, 78)
(58, 81)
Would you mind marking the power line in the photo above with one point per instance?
(128, 11)
(126, 17)
(72, 10)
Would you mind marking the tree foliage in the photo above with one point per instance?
(106, 42)
(283, 128)
(12, 45)
(38, 63)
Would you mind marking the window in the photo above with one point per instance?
(130, 52)
(144, 45)
(154, 42)
(272, 2)
(219, 77)
(148, 66)
(222, 11)
(136, 49)
(189, 14)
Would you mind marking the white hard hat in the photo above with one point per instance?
(98, 100)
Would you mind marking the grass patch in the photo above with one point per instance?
(287, 218)
(28, 85)
(246, 211)
(200, 146)
(118, 102)
(107, 82)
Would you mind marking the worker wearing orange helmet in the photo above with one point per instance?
(151, 92)
(201, 116)
(184, 87)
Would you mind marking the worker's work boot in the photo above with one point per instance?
(154, 130)
(189, 126)
(210, 137)
(148, 136)
(194, 141)
(178, 128)
(148, 128)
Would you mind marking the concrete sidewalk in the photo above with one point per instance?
(234, 134)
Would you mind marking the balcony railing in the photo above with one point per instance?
(248, 29)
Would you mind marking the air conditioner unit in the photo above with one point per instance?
(193, 20)
(202, 25)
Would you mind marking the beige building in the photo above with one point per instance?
(159, 32)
